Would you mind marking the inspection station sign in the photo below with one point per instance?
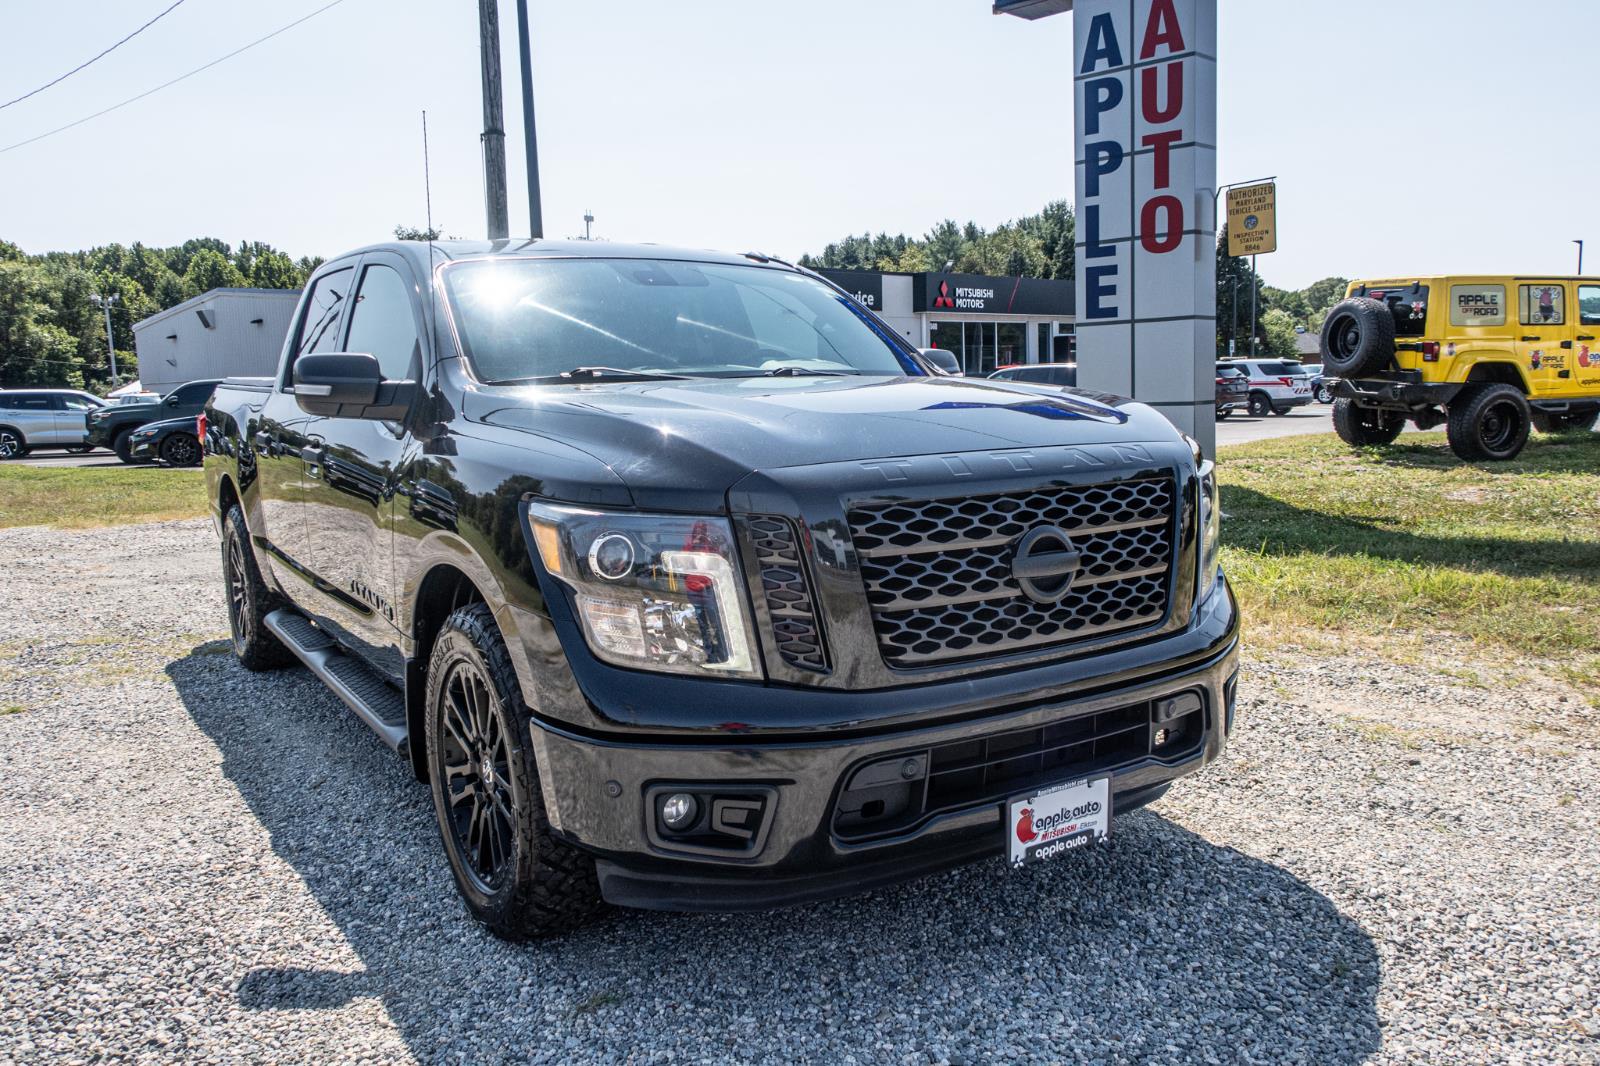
(1253, 219)
(1145, 88)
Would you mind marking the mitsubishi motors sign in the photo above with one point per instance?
(1144, 79)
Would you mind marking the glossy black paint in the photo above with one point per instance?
(147, 441)
(360, 523)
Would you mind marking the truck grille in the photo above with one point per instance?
(787, 592)
(938, 572)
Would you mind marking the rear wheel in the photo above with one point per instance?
(1260, 404)
(180, 449)
(249, 599)
(1364, 427)
(1324, 394)
(122, 444)
(1223, 416)
(80, 449)
(12, 444)
(1488, 423)
(514, 875)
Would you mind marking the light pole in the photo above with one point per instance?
(106, 303)
(494, 134)
(530, 140)
(1580, 257)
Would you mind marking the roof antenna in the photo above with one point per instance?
(427, 180)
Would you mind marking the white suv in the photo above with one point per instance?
(1276, 385)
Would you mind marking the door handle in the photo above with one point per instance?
(1530, 338)
(1586, 336)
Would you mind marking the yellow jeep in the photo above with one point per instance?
(1488, 356)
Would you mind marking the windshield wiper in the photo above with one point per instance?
(801, 371)
(590, 373)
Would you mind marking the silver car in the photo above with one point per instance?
(43, 418)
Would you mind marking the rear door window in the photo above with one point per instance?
(1407, 303)
(1477, 305)
(1542, 304)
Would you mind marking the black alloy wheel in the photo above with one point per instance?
(180, 449)
(474, 760)
(249, 599)
(1489, 422)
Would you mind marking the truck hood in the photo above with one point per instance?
(683, 444)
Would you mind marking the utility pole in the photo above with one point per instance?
(1255, 286)
(530, 140)
(588, 220)
(1233, 322)
(106, 303)
(1580, 256)
(494, 134)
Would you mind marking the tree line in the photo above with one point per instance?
(1040, 246)
(52, 333)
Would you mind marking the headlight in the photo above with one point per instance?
(1210, 527)
(653, 592)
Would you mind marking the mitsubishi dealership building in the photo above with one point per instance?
(986, 321)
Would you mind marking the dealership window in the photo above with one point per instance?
(946, 335)
(1011, 341)
(1542, 304)
(1589, 305)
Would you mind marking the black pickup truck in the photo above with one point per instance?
(686, 583)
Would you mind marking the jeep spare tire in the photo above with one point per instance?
(1357, 337)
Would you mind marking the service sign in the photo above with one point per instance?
(1252, 220)
(1057, 820)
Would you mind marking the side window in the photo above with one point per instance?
(1542, 305)
(381, 324)
(1589, 305)
(1477, 305)
(319, 327)
(79, 403)
(194, 395)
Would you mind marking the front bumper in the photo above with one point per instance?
(601, 792)
(145, 449)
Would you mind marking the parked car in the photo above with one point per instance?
(1038, 373)
(690, 586)
(112, 427)
(1487, 356)
(1276, 385)
(1233, 389)
(173, 441)
(1321, 384)
(44, 418)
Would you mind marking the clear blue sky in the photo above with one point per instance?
(1430, 135)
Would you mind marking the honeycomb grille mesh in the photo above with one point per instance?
(938, 572)
(788, 594)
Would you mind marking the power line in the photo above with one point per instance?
(174, 81)
(96, 59)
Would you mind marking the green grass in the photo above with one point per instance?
(79, 497)
(1400, 548)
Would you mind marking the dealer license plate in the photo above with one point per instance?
(1057, 820)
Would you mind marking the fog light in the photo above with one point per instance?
(678, 811)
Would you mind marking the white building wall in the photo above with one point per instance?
(223, 333)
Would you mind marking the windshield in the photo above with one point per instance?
(534, 319)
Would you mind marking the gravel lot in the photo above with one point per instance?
(198, 863)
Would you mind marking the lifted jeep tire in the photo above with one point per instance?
(1489, 423)
(1358, 337)
(1362, 427)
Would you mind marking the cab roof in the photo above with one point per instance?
(419, 252)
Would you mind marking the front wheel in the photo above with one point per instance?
(180, 449)
(12, 446)
(1488, 423)
(1365, 427)
(1563, 422)
(1259, 404)
(1324, 394)
(122, 444)
(79, 449)
(513, 874)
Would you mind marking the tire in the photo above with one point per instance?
(1488, 423)
(1564, 421)
(1223, 416)
(80, 449)
(122, 444)
(180, 449)
(1365, 427)
(1260, 404)
(1324, 394)
(1358, 337)
(249, 600)
(12, 444)
(518, 880)
(1281, 410)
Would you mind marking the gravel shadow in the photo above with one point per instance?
(1161, 947)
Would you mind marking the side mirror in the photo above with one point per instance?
(943, 361)
(349, 385)
(171, 401)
